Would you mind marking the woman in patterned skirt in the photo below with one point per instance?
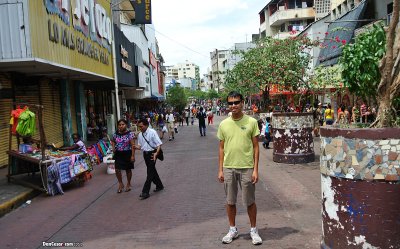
(123, 144)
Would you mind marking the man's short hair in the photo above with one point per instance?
(144, 122)
(234, 94)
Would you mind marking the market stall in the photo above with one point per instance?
(34, 155)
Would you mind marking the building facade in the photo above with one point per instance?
(280, 17)
(50, 54)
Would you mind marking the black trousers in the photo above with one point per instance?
(152, 175)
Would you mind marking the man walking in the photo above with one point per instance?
(238, 164)
(169, 118)
(201, 115)
(186, 115)
(150, 143)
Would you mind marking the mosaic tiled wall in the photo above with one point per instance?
(292, 136)
(291, 121)
(361, 159)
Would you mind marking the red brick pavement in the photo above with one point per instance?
(189, 213)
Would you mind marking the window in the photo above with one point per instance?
(283, 27)
(221, 56)
(262, 17)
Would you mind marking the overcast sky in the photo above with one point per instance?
(191, 29)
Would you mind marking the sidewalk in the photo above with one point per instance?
(12, 195)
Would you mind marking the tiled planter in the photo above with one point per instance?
(360, 188)
(293, 140)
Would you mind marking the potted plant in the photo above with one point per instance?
(360, 166)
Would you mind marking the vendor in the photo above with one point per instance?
(77, 146)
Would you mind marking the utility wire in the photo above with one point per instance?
(181, 44)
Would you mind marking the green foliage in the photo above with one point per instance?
(212, 94)
(272, 61)
(177, 98)
(327, 77)
(360, 62)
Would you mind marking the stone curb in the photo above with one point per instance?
(16, 201)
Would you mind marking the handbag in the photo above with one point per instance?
(160, 155)
(77, 166)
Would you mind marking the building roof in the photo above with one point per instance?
(269, 2)
(339, 30)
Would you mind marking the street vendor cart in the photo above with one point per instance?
(25, 158)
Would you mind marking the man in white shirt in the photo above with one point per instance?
(150, 143)
(169, 118)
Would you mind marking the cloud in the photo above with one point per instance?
(202, 26)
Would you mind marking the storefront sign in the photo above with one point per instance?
(124, 64)
(89, 18)
(73, 28)
(126, 70)
(142, 11)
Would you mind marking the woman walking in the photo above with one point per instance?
(123, 144)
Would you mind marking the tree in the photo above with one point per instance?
(389, 86)
(272, 61)
(177, 98)
(360, 62)
(212, 94)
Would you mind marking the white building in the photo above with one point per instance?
(278, 18)
(183, 70)
(218, 70)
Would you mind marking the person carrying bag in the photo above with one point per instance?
(150, 155)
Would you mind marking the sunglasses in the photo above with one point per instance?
(234, 102)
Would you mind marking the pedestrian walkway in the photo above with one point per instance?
(188, 213)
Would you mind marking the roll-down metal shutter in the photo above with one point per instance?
(5, 110)
(52, 120)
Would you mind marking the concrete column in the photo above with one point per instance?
(66, 112)
(80, 107)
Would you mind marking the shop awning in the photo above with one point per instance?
(342, 29)
(157, 96)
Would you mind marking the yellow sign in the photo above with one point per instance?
(73, 33)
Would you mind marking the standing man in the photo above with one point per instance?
(201, 115)
(186, 115)
(169, 118)
(238, 164)
(150, 143)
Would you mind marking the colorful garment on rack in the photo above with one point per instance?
(98, 151)
(14, 118)
(26, 123)
(53, 180)
(63, 168)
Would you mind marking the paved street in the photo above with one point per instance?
(189, 213)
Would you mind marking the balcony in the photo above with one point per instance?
(263, 26)
(281, 35)
(282, 15)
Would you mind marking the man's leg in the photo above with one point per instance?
(252, 212)
(149, 179)
(231, 211)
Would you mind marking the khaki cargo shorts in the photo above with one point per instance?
(241, 177)
(171, 127)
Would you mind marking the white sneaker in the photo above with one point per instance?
(256, 239)
(231, 235)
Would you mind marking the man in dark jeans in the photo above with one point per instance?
(201, 115)
(150, 143)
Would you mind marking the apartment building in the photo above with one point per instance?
(218, 68)
(182, 71)
(280, 17)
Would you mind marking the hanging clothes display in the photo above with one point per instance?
(53, 180)
(26, 123)
(15, 118)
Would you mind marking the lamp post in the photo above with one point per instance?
(114, 56)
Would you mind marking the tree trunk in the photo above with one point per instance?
(386, 85)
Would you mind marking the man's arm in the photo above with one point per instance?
(221, 161)
(256, 159)
(133, 150)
